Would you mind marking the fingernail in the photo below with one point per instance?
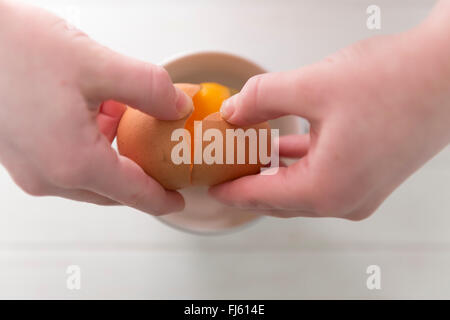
(227, 109)
(184, 104)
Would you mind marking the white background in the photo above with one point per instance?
(127, 254)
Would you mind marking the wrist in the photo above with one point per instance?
(434, 37)
(4, 9)
(437, 25)
(3, 4)
(427, 50)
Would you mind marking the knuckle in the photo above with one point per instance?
(250, 95)
(160, 74)
(350, 54)
(311, 85)
(160, 79)
(161, 88)
(251, 90)
(366, 47)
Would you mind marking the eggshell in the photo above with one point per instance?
(189, 88)
(211, 174)
(147, 141)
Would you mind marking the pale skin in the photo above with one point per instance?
(378, 111)
(55, 130)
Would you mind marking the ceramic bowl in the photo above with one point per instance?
(203, 214)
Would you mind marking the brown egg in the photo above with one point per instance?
(147, 141)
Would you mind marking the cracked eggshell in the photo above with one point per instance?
(147, 141)
(211, 174)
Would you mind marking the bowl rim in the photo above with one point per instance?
(211, 233)
(192, 53)
(185, 55)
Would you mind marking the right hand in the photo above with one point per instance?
(378, 111)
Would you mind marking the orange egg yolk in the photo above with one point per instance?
(206, 101)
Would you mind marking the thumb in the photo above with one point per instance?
(272, 95)
(141, 85)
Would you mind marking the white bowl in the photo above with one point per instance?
(202, 213)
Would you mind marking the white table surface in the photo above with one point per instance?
(126, 254)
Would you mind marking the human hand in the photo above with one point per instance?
(378, 111)
(55, 130)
